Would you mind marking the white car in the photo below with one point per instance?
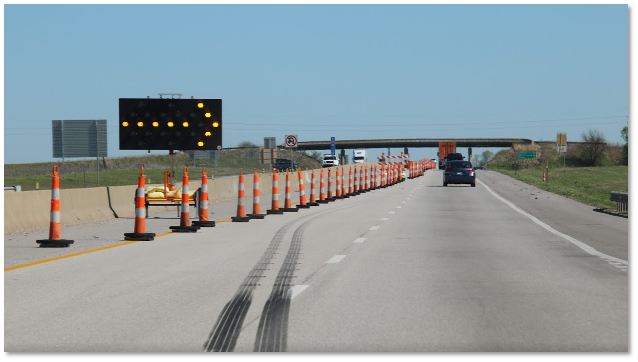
(329, 161)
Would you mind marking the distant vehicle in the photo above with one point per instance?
(283, 164)
(359, 156)
(445, 148)
(459, 172)
(329, 161)
(455, 156)
(442, 163)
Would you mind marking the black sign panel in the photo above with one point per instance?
(170, 124)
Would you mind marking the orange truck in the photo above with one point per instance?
(444, 149)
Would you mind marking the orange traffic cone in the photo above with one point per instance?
(288, 202)
(203, 203)
(256, 207)
(330, 195)
(358, 174)
(344, 190)
(367, 180)
(322, 189)
(185, 218)
(302, 193)
(241, 210)
(313, 197)
(140, 213)
(351, 182)
(373, 181)
(384, 176)
(55, 232)
(275, 196)
(338, 181)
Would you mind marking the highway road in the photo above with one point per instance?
(415, 267)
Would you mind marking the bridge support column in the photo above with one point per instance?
(342, 159)
(469, 154)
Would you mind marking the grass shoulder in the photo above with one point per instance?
(588, 185)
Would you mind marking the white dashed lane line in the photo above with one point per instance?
(295, 291)
(374, 227)
(335, 259)
(385, 219)
(359, 240)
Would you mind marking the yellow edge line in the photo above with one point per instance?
(89, 251)
(68, 256)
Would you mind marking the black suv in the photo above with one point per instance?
(283, 164)
(455, 157)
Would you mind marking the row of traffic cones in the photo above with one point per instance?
(383, 176)
(358, 182)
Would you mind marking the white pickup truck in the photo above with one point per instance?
(329, 161)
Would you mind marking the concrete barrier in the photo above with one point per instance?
(122, 200)
(29, 210)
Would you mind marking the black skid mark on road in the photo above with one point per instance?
(223, 337)
(272, 333)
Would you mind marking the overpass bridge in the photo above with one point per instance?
(410, 142)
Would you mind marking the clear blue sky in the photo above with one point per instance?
(347, 71)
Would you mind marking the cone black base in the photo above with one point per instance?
(139, 236)
(275, 212)
(205, 224)
(240, 218)
(256, 216)
(314, 203)
(306, 206)
(61, 243)
(290, 209)
(184, 229)
(323, 201)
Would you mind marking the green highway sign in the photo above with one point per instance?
(527, 155)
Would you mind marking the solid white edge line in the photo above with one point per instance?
(586, 248)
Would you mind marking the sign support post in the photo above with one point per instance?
(291, 142)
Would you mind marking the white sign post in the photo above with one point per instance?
(291, 142)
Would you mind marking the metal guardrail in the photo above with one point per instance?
(622, 200)
(16, 188)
